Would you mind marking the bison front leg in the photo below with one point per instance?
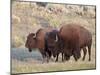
(43, 56)
(48, 57)
(76, 53)
(62, 56)
(57, 57)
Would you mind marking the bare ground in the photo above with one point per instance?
(25, 62)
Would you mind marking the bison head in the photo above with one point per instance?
(52, 42)
(31, 41)
(52, 37)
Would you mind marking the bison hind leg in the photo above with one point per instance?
(67, 57)
(84, 51)
(62, 56)
(57, 57)
(89, 52)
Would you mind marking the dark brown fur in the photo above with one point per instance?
(72, 38)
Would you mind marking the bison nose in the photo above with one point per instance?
(30, 50)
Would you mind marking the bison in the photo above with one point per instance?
(72, 38)
(54, 48)
(36, 40)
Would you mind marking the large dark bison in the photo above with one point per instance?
(72, 38)
(36, 40)
(54, 47)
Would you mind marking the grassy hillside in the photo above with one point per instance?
(29, 17)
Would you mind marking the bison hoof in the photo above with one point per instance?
(56, 61)
(42, 62)
(47, 60)
(89, 59)
(62, 60)
(76, 59)
(83, 59)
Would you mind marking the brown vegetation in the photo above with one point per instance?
(29, 17)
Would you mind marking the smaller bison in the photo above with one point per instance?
(69, 41)
(36, 40)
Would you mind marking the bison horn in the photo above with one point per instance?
(56, 38)
(34, 36)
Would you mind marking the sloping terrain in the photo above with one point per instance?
(29, 17)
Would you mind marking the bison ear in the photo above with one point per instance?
(34, 36)
(56, 38)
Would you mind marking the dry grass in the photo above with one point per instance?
(33, 66)
(26, 18)
(32, 62)
(52, 67)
